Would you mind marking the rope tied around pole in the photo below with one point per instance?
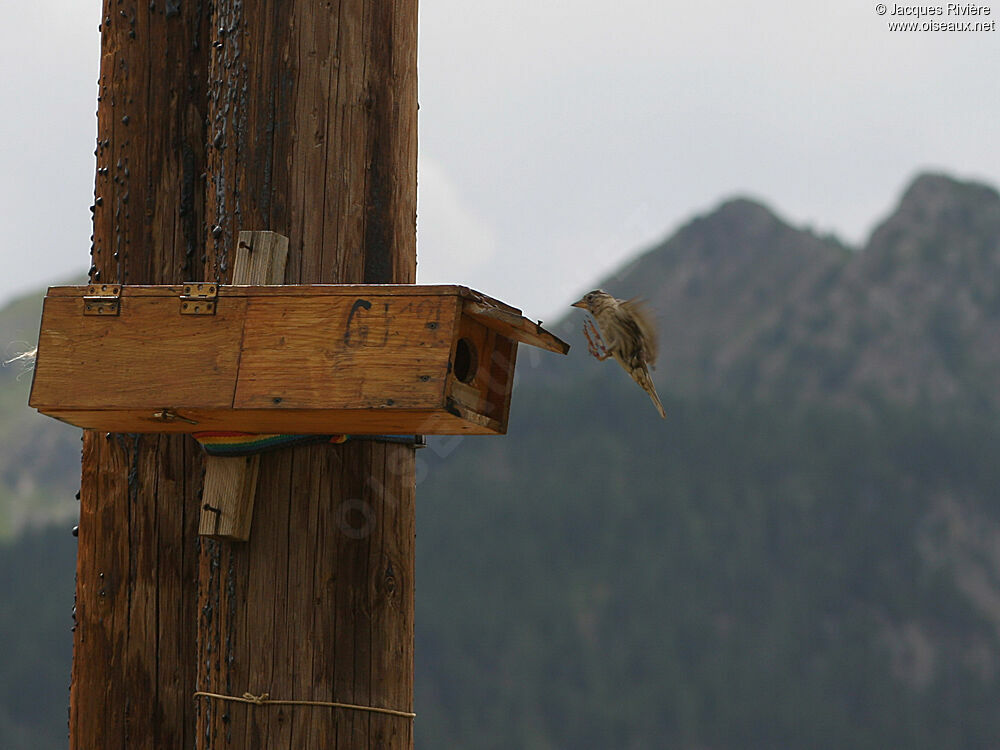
(264, 699)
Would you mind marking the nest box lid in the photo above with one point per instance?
(509, 322)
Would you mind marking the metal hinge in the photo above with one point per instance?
(169, 415)
(102, 299)
(199, 299)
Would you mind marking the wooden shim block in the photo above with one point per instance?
(227, 496)
(260, 258)
(231, 483)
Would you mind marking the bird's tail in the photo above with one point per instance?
(642, 378)
(656, 401)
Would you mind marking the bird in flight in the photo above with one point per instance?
(624, 331)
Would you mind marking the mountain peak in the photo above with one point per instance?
(744, 208)
(932, 190)
(741, 217)
(936, 204)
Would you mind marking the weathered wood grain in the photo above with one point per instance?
(261, 258)
(344, 353)
(347, 353)
(326, 347)
(305, 289)
(311, 132)
(134, 642)
(228, 496)
(177, 489)
(230, 484)
(305, 100)
(146, 358)
(486, 392)
(514, 326)
(291, 421)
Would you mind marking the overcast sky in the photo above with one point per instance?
(559, 138)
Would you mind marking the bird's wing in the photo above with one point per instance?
(644, 319)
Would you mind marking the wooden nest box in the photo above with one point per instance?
(351, 359)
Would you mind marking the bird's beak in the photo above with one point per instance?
(579, 303)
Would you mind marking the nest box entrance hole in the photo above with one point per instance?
(482, 368)
(466, 360)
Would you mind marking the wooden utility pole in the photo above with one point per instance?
(298, 117)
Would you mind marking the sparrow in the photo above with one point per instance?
(626, 333)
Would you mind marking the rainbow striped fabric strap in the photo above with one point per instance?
(245, 444)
